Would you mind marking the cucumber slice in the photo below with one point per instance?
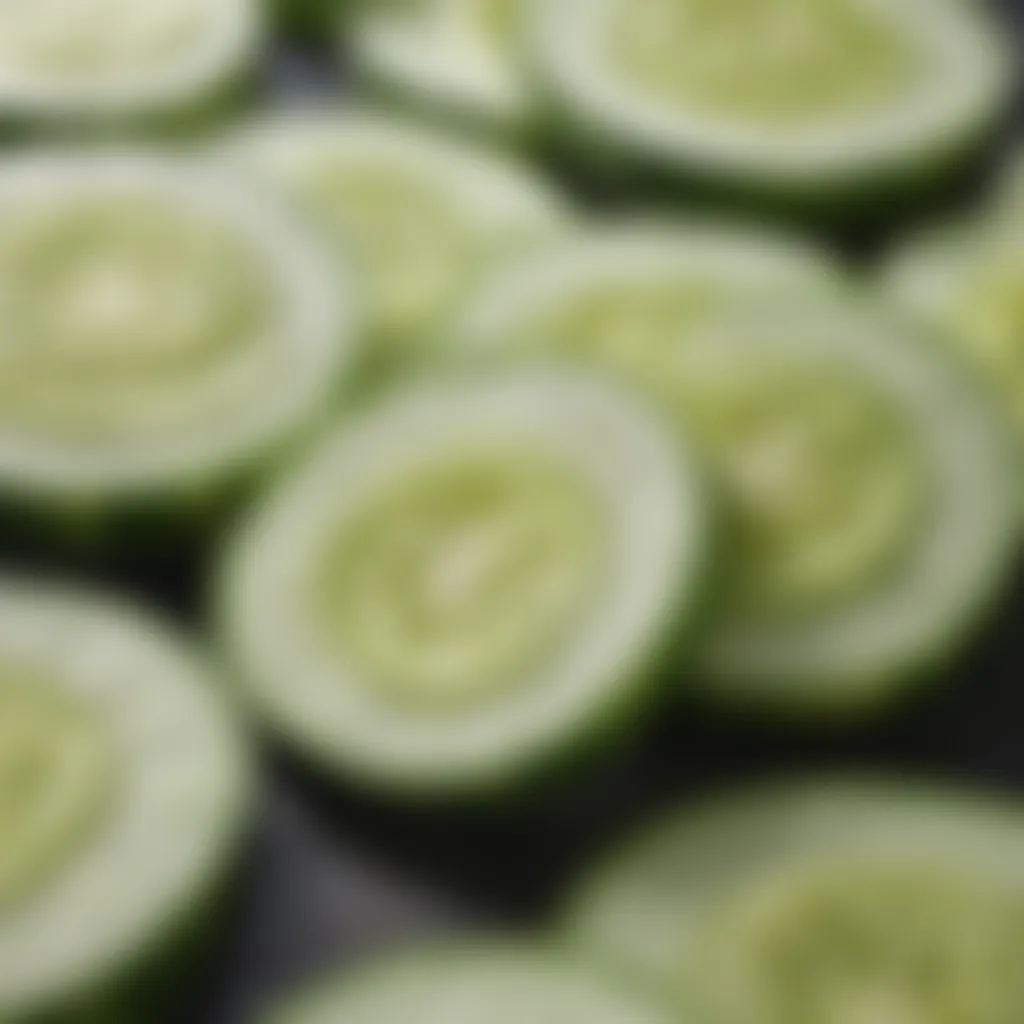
(870, 489)
(420, 214)
(800, 100)
(122, 60)
(456, 55)
(124, 790)
(965, 283)
(833, 901)
(471, 579)
(494, 982)
(165, 331)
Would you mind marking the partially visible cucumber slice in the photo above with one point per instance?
(468, 581)
(491, 982)
(164, 331)
(122, 60)
(123, 793)
(458, 55)
(421, 215)
(965, 283)
(834, 901)
(802, 99)
(871, 491)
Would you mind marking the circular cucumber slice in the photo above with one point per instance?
(468, 580)
(420, 214)
(870, 491)
(965, 283)
(163, 329)
(494, 982)
(834, 901)
(123, 791)
(802, 99)
(458, 55)
(102, 60)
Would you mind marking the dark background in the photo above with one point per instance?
(332, 876)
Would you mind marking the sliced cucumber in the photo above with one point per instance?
(469, 580)
(458, 55)
(870, 488)
(965, 283)
(834, 901)
(420, 214)
(123, 792)
(122, 60)
(491, 982)
(164, 331)
(801, 99)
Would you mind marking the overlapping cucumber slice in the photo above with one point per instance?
(165, 331)
(965, 284)
(469, 580)
(800, 100)
(103, 61)
(123, 794)
(840, 901)
(419, 215)
(491, 981)
(869, 487)
(460, 56)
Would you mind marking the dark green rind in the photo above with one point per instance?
(627, 868)
(325, 1002)
(652, 675)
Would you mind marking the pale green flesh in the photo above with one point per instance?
(873, 940)
(68, 40)
(761, 61)
(499, 21)
(456, 579)
(56, 780)
(124, 316)
(412, 244)
(824, 480)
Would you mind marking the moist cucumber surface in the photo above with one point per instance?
(123, 793)
(122, 60)
(965, 284)
(801, 100)
(468, 581)
(839, 900)
(165, 330)
(461, 56)
(869, 488)
(494, 982)
(419, 214)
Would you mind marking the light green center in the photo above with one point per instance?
(96, 39)
(499, 20)
(824, 482)
(877, 943)
(762, 61)
(120, 315)
(56, 780)
(411, 243)
(455, 580)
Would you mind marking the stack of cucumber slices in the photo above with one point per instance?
(477, 480)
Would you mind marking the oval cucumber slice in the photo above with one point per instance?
(461, 56)
(124, 789)
(802, 100)
(419, 214)
(869, 487)
(495, 982)
(965, 284)
(165, 331)
(467, 581)
(827, 901)
(77, 61)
